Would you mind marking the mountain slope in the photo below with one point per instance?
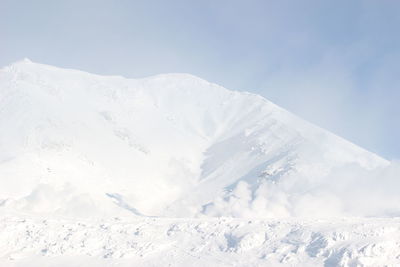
(78, 144)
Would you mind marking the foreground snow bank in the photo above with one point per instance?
(199, 242)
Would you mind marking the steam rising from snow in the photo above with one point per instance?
(347, 191)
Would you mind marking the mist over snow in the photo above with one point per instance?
(81, 145)
(174, 170)
(346, 191)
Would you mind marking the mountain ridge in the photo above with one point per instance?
(166, 145)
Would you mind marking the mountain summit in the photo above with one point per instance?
(78, 144)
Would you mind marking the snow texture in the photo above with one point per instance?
(199, 242)
(102, 170)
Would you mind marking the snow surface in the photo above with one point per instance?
(101, 170)
(199, 242)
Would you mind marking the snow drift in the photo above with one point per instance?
(77, 144)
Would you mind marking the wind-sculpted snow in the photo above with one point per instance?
(82, 145)
(199, 242)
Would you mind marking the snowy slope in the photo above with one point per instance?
(108, 171)
(78, 144)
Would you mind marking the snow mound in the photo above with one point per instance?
(76, 144)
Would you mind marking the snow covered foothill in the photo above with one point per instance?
(87, 159)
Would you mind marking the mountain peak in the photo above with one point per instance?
(22, 61)
(27, 65)
(26, 60)
(107, 144)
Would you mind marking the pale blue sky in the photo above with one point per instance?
(335, 63)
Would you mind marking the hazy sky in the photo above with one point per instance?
(335, 63)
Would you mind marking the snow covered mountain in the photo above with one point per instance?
(77, 144)
(92, 169)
